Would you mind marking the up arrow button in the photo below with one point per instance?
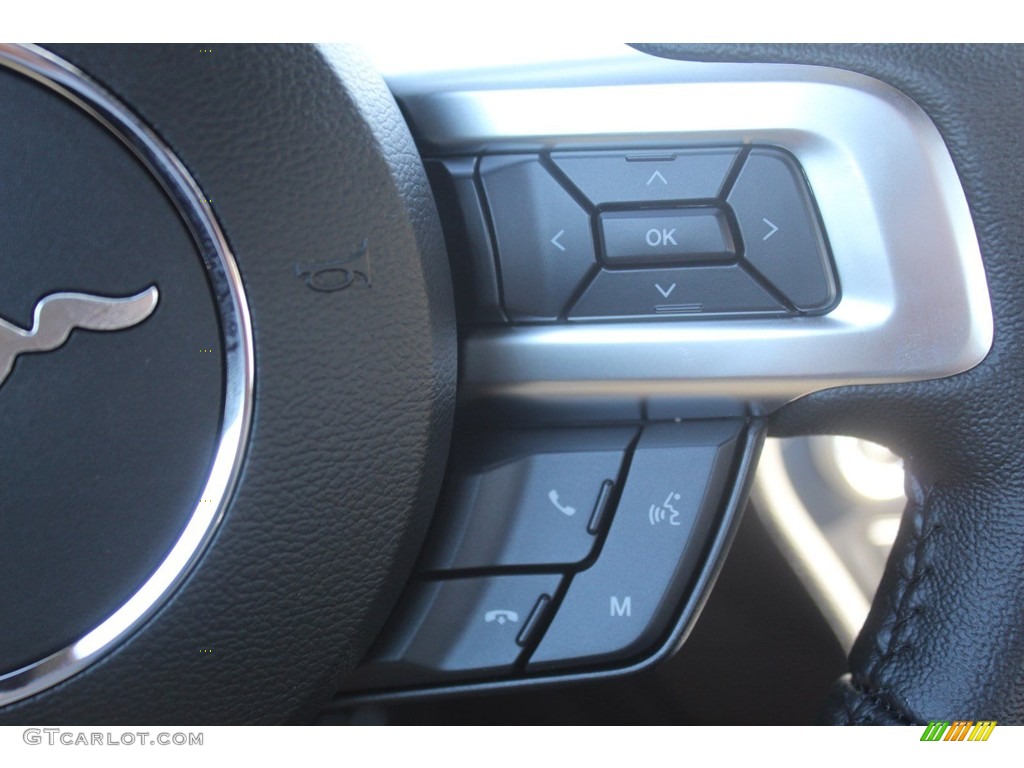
(656, 176)
(670, 175)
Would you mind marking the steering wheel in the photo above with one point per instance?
(305, 199)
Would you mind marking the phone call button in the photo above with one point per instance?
(463, 627)
(532, 503)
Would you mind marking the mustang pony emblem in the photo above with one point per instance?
(58, 314)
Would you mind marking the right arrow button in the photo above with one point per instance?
(779, 227)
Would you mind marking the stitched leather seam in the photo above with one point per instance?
(877, 698)
(905, 613)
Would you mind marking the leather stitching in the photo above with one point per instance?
(860, 714)
(914, 568)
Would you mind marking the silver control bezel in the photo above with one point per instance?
(915, 302)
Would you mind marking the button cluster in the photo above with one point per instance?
(555, 550)
(626, 235)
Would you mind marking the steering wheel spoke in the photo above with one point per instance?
(582, 315)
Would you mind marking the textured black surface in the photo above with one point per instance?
(945, 637)
(108, 439)
(354, 388)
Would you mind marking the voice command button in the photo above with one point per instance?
(622, 604)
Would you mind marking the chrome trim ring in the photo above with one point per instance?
(915, 303)
(229, 297)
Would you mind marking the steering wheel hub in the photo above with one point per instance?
(176, 462)
(125, 400)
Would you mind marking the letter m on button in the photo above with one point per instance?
(623, 607)
(934, 730)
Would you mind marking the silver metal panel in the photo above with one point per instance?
(914, 302)
(236, 330)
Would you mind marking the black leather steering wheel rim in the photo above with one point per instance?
(305, 159)
(943, 638)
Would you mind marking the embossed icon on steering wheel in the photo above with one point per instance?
(565, 509)
(665, 511)
(338, 274)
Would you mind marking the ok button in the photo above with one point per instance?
(656, 237)
(638, 238)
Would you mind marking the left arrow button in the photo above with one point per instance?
(545, 245)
